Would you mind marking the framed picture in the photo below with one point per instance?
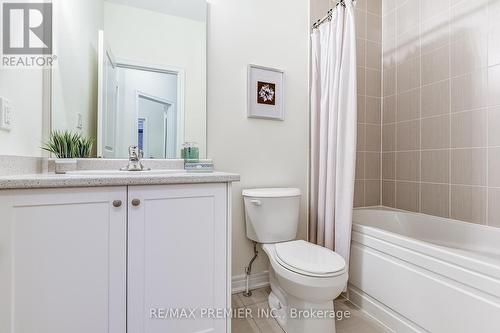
(265, 93)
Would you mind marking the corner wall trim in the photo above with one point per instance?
(257, 280)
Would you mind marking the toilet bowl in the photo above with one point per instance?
(302, 295)
(305, 278)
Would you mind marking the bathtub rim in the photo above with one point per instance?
(447, 219)
(486, 266)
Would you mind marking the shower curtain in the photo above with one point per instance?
(333, 131)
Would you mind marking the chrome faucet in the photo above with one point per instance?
(134, 160)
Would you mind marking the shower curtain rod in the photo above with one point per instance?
(328, 16)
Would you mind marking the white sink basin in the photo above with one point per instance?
(123, 173)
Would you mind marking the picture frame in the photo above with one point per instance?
(265, 93)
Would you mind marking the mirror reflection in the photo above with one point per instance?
(132, 73)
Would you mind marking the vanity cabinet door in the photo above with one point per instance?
(177, 258)
(63, 260)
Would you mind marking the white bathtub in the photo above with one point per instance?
(419, 273)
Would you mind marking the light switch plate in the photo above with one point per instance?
(5, 114)
(79, 122)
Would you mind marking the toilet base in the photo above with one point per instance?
(298, 316)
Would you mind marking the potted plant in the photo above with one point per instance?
(67, 146)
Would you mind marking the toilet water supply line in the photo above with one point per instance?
(248, 271)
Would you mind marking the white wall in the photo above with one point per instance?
(23, 88)
(158, 39)
(266, 153)
(76, 27)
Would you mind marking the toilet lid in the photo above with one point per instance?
(306, 258)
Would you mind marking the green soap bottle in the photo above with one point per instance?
(190, 152)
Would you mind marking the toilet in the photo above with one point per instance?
(305, 278)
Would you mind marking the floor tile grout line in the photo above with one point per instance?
(364, 316)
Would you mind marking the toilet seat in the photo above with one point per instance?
(309, 259)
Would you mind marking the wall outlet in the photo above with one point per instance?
(5, 114)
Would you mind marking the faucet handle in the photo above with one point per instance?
(133, 152)
(134, 163)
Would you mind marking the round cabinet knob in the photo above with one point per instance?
(117, 203)
(136, 202)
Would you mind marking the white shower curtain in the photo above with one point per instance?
(333, 131)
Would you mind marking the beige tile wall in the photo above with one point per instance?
(441, 108)
(369, 42)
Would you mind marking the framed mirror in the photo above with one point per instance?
(131, 73)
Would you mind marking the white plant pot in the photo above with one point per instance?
(63, 165)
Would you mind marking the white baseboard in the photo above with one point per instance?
(257, 280)
(387, 317)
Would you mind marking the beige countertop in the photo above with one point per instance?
(106, 178)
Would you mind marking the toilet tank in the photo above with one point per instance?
(272, 214)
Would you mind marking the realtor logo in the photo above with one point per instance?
(27, 28)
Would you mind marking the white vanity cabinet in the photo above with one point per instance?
(178, 250)
(63, 260)
(103, 259)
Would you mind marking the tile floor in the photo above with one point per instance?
(359, 322)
